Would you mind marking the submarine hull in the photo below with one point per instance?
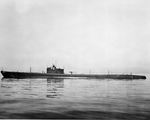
(23, 75)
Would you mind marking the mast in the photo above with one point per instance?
(30, 69)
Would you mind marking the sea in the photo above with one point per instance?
(76, 98)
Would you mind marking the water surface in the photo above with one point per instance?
(75, 98)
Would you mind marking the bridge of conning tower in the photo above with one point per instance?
(53, 69)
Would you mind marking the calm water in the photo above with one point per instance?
(75, 98)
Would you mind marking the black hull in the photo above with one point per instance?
(23, 75)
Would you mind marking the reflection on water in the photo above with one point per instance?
(50, 88)
(75, 98)
(55, 88)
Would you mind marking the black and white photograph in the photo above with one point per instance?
(75, 59)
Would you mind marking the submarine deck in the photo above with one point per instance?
(21, 75)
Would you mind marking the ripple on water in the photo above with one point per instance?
(75, 98)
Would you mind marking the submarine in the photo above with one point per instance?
(54, 72)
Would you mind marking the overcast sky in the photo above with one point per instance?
(79, 35)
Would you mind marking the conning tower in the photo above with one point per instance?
(53, 69)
